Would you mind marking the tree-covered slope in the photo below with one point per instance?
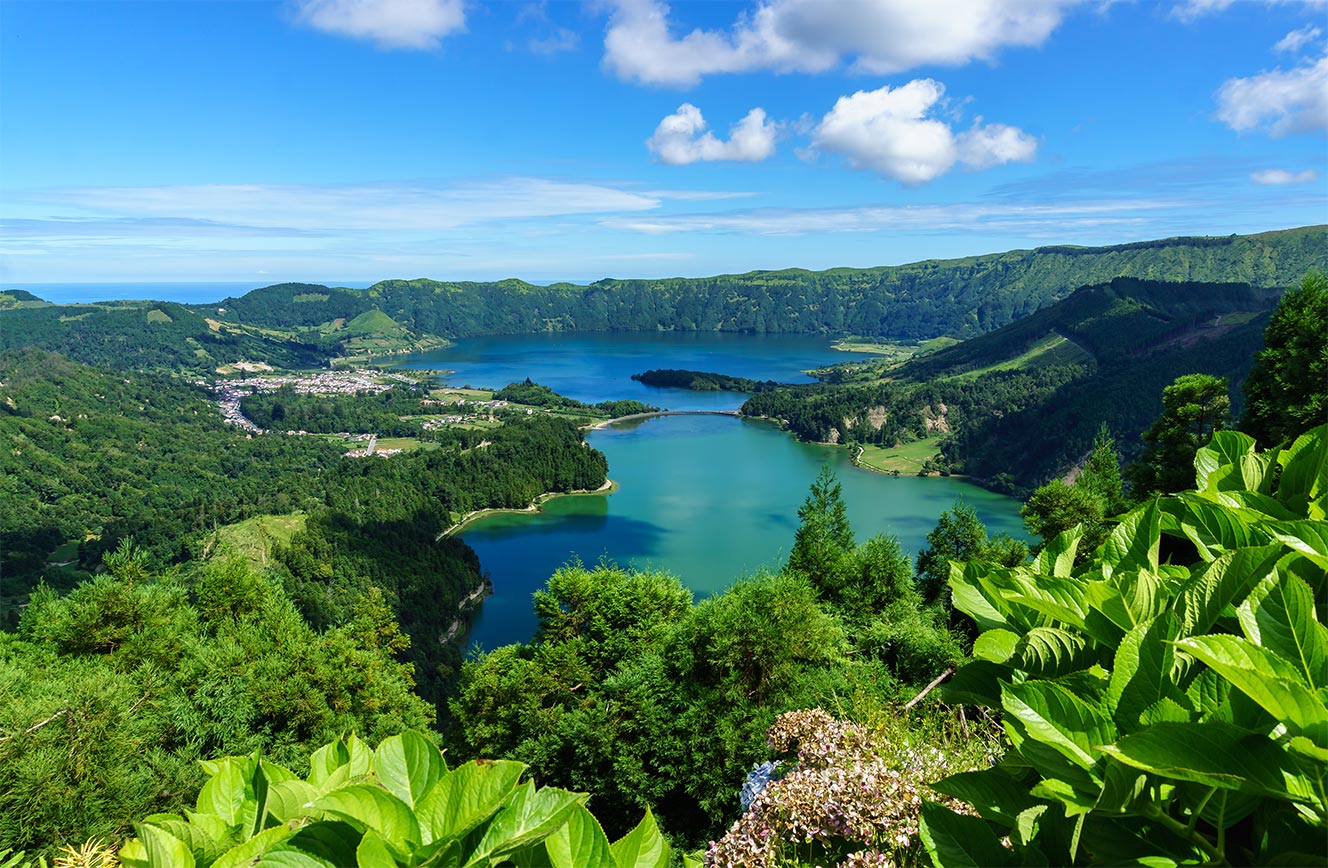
(1026, 400)
(961, 297)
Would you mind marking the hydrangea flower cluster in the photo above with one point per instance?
(843, 803)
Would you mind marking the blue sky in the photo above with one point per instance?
(357, 140)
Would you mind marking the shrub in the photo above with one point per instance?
(1165, 703)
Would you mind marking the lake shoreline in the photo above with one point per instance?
(609, 487)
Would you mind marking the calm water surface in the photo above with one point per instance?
(708, 498)
(598, 366)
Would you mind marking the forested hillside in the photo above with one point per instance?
(960, 297)
(1023, 403)
(97, 458)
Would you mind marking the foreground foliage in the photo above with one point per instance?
(110, 695)
(1165, 703)
(397, 805)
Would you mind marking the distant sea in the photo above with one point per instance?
(183, 293)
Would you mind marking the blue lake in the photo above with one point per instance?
(708, 498)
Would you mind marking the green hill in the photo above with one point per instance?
(959, 297)
(1022, 403)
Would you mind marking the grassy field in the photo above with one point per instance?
(405, 444)
(253, 537)
(1051, 350)
(454, 395)
(906, 459)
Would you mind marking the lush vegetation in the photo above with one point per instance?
(288, 410)
(98, 458)
(641, 697)
(111, 694)
(1163, 701)
(960, 297)
(700, 381)
(396, 805)
(1285, 392)
(534, 395)
(1085, 361)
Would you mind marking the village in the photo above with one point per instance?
(230, 392)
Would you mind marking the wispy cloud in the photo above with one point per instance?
(414, 207)
(1281, 177)
(410, 24)
(967, 216)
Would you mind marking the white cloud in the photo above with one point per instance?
(417, 24)
(1278, 177)
(881, 36)
(1190, 10)
(679, 139)
(1294, 41)
(990, 145)
(1288, 101)
(892, 133)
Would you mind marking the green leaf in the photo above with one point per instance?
(1141, 673)
(1304, 469)
(528, 815)
(1122, 788)
(977, 682)
(1215, 754)
(1063, 600)
(286, 856)
(408, 765)
(1050, 714)
(373, 852)
(229, 792)
(1215, 528)
(332, 840)
(1057, 557)
(995, 645)
(1226, 448)
(579, 842)
(1279, 615)
(643, 847)
(1269, 680)
(970, 595)
(1309, 538)
(370, 807)
(1224, 582)
(325, 761)
(246, 853)
(163, 850)
(995, 795)
(1049, 652)
(956, 841)
(1133, 544)
(1128, 599)
(288, 799)
(465, 797)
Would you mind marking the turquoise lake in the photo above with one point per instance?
(708, 498)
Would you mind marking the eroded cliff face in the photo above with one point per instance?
(936, 420)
